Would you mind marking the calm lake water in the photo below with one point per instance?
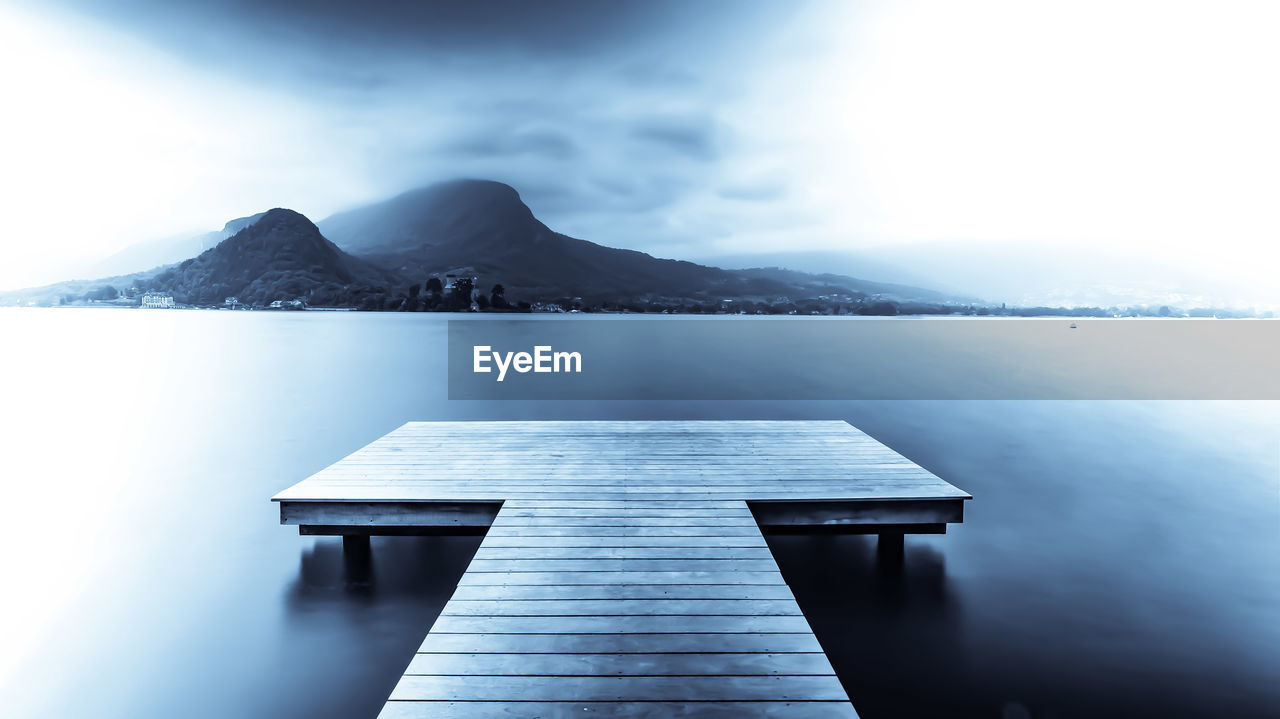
(1119, 558)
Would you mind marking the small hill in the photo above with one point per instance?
(282, 255)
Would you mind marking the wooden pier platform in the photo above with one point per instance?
(623, 570)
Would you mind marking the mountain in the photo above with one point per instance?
(278, 255)
(479, 214)
(1030, 274)
(842, 263)
(382, 255)
(484, 227)
(831, 279)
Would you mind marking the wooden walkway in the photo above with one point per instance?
(623, 572)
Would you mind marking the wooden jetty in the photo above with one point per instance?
(623, 570)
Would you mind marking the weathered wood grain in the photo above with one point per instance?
(545, 617)
(667, 463)
(480, 592)
(629, 710)
(631, 688)
(740, 664)
(626, 607)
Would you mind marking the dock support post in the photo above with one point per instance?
(355, 544)
(890, 548)
(357, 559)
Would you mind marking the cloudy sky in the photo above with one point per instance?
(682, 129)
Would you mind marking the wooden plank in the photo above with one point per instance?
(593, 552)
(642, 688)
(634, 624)
(597, 475)
(542, 512)
(601, 564)
(526, 504)
(393, 514)
(936, 511)
(689, 642)
(742, 664)
(630, 710)
(625, 521)
(616, 531)
(627, 607)
(728, 577)
(615, 542)
(480, 592)
(851, 490)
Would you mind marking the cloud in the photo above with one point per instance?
(592, 110)
(500, 143)
(691, 137)
(357, 45)
(652, 124)
(564, 199)
(660, 75)
(758, 191)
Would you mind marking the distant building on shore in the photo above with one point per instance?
(157, 301)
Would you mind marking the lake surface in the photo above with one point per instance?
(1119, 558)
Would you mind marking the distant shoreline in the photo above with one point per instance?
(1012, 313)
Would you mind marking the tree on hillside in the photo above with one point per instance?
(435, 291)
(497, 297)
(102, 293)
(411, 304)
(462, 289)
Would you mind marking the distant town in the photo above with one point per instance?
(452, 293)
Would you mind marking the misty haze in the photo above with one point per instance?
(872, 141)
(458, 359)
